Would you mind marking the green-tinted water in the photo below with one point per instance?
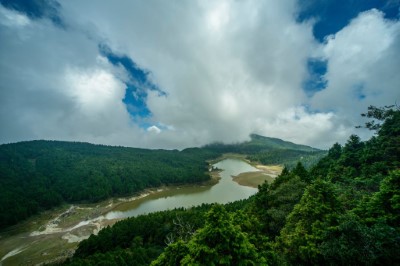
(225, 191)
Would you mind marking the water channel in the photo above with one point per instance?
(225, 191)
(60, 235)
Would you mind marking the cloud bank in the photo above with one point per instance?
(226, 69)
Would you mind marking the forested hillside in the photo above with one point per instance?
(343, 211)
(288, 157)
(38, 175)
(257, 144)
(266, 150)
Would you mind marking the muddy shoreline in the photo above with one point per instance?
(54, 235)
(266, 173)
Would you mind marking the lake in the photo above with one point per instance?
(55, 234)
(225, 191)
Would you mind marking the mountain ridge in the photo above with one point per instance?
(255, 139)
(40, 174)
(258, 143)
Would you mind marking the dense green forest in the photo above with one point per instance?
(266, 150)
(258, 144)
(343, 211)
(288, 157)
(38, 175)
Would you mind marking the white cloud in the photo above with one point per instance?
(223, 64)
(298, 125)
(363, 66)
(55, 86)
(229, 68)
(12, 18)
(154, 129)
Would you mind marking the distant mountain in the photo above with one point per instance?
(343, 211)
(39, 175)
(268, 150)
(258, 144)
(275, 143)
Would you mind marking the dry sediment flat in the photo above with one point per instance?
(53, 236)
(253, 179)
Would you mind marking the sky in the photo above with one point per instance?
(176, 74)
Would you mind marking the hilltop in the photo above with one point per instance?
(267, 150)
(39, 175)
(345, 210)
(258, 143)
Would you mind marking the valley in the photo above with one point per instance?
(54, 235)
(304, 214)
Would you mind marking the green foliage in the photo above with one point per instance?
(145, 236)
(39, 175)
(304, 230)
(345, 210)
(130, 256)
(326, 163)
(301, 172)
(219, 242)
(123, 233)
(258, 144)
(352, 242)
(288, 157)
(272, 204)
(378, 113)
(347, 239)
(384, 205)
(173, 254)
(350, 214)
(271, 151)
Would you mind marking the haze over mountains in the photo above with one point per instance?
(344, 210)
(38, 175)
(176, 75)
(107, 99)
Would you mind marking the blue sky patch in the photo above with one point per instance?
(37, 9)
(332, 15)
(137, 87)
(316, 70)
(358, 90)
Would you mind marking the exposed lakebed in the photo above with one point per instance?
(55, 234)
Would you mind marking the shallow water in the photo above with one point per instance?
(225, 191)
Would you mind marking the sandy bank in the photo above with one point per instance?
(254, 179)
(53, 235)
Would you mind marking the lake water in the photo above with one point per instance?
(225, 191)
(27, 247)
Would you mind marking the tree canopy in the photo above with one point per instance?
(38, 175)
(343, 211)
